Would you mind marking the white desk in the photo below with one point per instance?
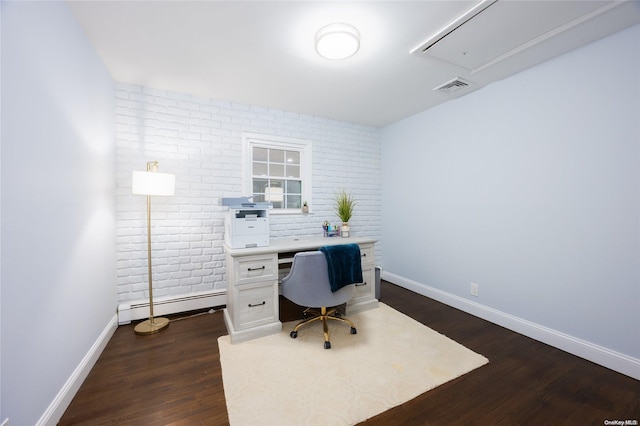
(252, 283)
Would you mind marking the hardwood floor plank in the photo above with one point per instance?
(174, 377)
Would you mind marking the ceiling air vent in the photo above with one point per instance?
(454, 86)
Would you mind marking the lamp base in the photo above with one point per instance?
(146, 327)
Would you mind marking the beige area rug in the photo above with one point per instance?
(277, 380)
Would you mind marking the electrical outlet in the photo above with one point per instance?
(475, 288)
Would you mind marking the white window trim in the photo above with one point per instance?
(249, 140)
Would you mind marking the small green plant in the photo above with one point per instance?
(344, 205)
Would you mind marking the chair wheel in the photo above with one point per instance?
(327, 345)
(353, 330)
(293, 334)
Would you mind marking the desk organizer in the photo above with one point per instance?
(331, 231)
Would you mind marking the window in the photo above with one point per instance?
(278, 170)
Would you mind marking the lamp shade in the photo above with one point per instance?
(153, 183)
(274, 194)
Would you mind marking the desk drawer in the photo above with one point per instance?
(367, 254)
(251, 269)
(366, 289)
(256, 305)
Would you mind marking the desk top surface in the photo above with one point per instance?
(297, 244)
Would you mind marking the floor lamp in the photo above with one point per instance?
(151, 183)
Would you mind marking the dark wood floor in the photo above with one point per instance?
(174, 378)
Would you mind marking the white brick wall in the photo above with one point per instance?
(200, 141)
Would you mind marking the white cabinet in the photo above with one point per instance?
(252, 296)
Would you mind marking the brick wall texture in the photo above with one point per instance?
(200, 141)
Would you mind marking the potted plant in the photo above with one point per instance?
(305, 207)
(344, 209)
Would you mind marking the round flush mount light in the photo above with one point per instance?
(337, 41)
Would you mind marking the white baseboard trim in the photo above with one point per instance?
(139, 309)
(595, 353)
(61, 402)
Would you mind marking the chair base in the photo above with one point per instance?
(324, 315)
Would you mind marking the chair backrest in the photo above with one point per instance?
(307, 284)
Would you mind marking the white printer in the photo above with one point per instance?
(246, 224)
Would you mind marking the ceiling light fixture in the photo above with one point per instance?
(337, 41)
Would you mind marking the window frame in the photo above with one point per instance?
(302, 146)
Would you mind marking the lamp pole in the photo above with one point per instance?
(152, 325)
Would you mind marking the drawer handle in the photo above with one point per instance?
(364, 254)
(256, 269)
(361, 284)
(264, 302)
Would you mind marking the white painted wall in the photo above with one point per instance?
(1, 417)
(58, 184)
(530, 188)
(200, 141)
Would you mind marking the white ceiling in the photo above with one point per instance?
(262, 53)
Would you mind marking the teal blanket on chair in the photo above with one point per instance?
(344, 265)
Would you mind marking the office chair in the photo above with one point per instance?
(307, 284)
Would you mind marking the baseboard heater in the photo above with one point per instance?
(139, 309)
